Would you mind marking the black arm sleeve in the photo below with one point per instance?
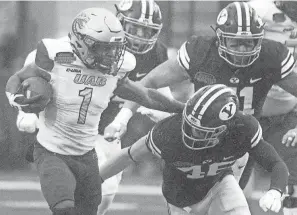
(269, 159)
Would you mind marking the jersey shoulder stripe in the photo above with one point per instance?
(257, 137)
(287, 65)
(183, 57)
(151, 145)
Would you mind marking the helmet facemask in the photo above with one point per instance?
(104, 56)
(251, 42)
(141, 34)
(197, 137)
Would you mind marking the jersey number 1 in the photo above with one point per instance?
(245, 96)
(87, 97)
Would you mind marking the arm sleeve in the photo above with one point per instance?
(269, 159)
(284, 57)
(42, 59)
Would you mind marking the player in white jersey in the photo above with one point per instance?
(279, 110)
(84, 74)
(27, 122)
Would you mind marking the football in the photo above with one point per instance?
(38, 86)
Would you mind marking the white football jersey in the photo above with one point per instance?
(69, 124)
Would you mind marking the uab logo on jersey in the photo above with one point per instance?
(95, 81)
(228, 111)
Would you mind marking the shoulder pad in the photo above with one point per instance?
(30, 58)
(250, 128)
(278, 57)
(54, 47)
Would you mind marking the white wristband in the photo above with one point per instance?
(123, 116)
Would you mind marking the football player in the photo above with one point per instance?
(199, 148)
(236, 56)
(279, 114)
(84, 76)
(142, 23)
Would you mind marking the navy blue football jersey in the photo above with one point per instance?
(148, 61)
(199, 57)
(189, 174)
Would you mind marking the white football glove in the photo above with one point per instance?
(27, 122)
(154, 115)
(12, 100)
(272, 200)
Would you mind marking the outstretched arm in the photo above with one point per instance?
(121, 160)
(148, 97)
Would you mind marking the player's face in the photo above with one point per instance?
(240, 45)
(103, 54)
(139, 31)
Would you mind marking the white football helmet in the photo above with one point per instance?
(98, 39)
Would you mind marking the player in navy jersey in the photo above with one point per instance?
(199, 148)
(236, 56)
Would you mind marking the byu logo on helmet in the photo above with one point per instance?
(125, 5)
(228, 111)
(222, 17)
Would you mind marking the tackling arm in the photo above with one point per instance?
(148, 97)
(166, 74)
(121, 160)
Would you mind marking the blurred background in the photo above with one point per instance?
(22, 25)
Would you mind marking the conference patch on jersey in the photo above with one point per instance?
(65, 57)
(125, 5)
(222, 17)
(228, 111)
(205, 78)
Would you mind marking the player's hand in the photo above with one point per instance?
(21, 102)
(114, 131)
(27, 122)
(271, 201)
(154, 115)
(290, 138)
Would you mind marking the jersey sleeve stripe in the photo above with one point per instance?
(183, 57)
(151, 145)
(287, 68)
(257, 137)
(286, 59)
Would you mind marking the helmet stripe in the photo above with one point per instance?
(243, 14)
(239, 16)
(204, 97)
(248, 17)
(212, 99)
(151, 11)
(143, 10)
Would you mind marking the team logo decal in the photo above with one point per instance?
(222, 17)
(259, 23)
(228, 111)
(125, 5)
(205, 78)
(234, 80)
(64, 57)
